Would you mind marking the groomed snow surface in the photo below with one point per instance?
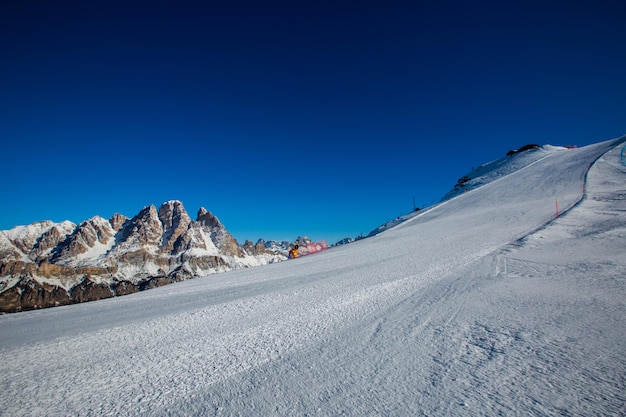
(485, 305)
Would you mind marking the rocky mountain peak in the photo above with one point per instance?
(255, 249)
(208, 219)
(24, 237)
(173, 212)
(117, 221)
(219, 235)
(144, 229)
(175, 221)
(50, 239)
(84, 237)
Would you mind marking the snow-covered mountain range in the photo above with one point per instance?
(490, 303)
(47, 264)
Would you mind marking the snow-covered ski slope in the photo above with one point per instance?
(485, 305)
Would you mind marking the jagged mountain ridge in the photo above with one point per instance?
(46, 264)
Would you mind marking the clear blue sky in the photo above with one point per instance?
(290, 118)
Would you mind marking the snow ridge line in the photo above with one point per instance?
(583, 196)
(412, 216)
(443, 203)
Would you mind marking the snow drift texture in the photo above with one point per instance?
(486, 304)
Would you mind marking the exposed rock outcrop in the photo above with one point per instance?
(29, 294)
(89, 290)
(256, 249)
(88, 234)
(523, 149)
(143, 229)
(117, 221)
(50, 239)
(175, 221)
(223, 240)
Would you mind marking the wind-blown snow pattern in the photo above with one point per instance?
(484, 305)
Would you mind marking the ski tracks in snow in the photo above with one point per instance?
(543, 331)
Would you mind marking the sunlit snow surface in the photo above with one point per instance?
(483, 305)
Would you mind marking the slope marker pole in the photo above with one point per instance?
(556, 201)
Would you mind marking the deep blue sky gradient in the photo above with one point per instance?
(323, 119)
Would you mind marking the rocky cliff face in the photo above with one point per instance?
(84, 238)
(222, 239)
(47, 264)
(175, 221)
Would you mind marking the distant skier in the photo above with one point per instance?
(293, 252)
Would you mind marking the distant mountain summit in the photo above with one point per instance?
(47, 264)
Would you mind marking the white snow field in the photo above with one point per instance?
(484, 305)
